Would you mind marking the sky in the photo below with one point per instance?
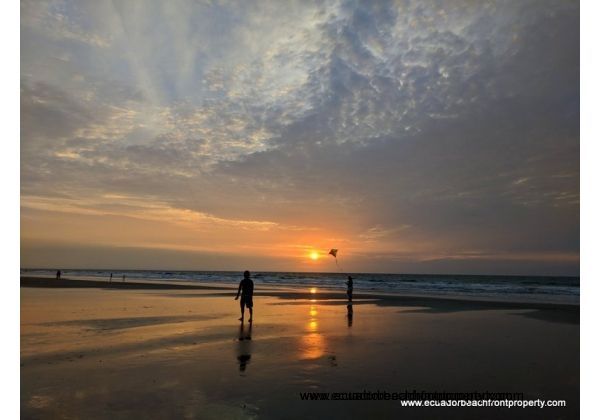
(413, 136)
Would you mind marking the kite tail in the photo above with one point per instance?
(338, 266)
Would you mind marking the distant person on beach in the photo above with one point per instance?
(123, 278)
(247, 290)
(110, 279)
(58, 273)
(350, 285)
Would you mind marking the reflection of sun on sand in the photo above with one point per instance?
(312, 344)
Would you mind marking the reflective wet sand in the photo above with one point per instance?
(96, 353)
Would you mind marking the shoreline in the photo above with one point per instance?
(65, 283)
(286, 291)
(524, 298)
(560, 312)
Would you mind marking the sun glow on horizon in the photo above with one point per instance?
(314, 255)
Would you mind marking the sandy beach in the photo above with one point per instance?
(128, 351)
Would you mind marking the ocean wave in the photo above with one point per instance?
(567, 287)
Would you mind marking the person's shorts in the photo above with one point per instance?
(246, 301)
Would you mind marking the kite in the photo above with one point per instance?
(333, 252)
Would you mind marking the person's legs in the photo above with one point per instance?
(250, 310)
(242, 310)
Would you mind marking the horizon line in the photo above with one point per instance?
(302, 272)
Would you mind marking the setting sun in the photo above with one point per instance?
(314, 255)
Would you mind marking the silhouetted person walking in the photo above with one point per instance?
(110, 279)
(123, 278)
(247, 290)
(58, 274)
(350, 285)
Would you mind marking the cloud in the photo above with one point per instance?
(357, 119)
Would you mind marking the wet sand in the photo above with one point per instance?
(164, 352)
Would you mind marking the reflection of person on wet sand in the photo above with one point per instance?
(244, 348)
(247, 290)
(350, 285)
(350, 314)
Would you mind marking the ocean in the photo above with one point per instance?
(517, 288)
